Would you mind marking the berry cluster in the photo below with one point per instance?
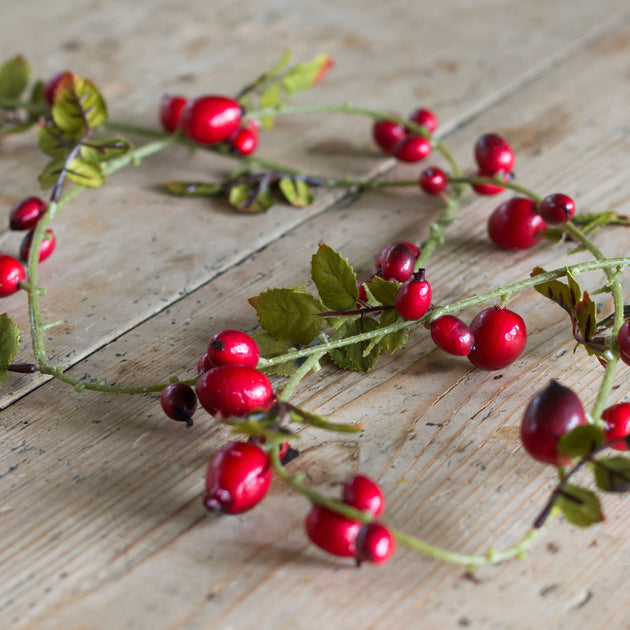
(395, 138)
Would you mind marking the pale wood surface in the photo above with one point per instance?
(100, 514)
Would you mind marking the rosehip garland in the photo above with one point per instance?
(349, 323)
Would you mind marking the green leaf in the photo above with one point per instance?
(101, 150)
(392, 341)
(51, 172)
(9, 344)
(290, 314)
(351, 357)
(270, 347)
(384, 291)
(250, 199)
(334, 278)
(567, 296)
(580, 506)
(296, 191)
(270, 97)
(84, 173)
(612, 474)
(281, 64)
(78, 106)
(14, 76)
(54, 142)
(194, 189)
(303, 75)
(581, 441)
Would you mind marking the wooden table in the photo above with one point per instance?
(101, 520)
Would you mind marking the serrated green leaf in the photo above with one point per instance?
(567, 296)
(351, 357)
(290, 314)
(14, 77)
(250, 199)
(384, 291)
(612, 474)
(270, 347)
(296, 191)
(54, 142)
(581, 441)
(78, 105)
(102, 150)
(334, 278)
(9, 344)
(585, 313)
(392, 341)
(270, 97)
(579, 506)
(303, 75)
(195, 189)
(83, 173)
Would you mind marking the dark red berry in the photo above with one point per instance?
(364, 494)
(210, 119)
(548, 416)
(233, 390)
(25, 214)
(179, 402)
(51, 86)
(233, 347)
(204, 364)
(11, 274)
(238, 477)
(486, 189)
(500, 338)
(617, 425)
(387, 134)
(412, 149)
(623, 341)
(397, 260)
(332, 532)
(413, 298)
(515, 224)
(426, 118)
(385, 252)
(493, 154)
(245, 140)
(46, 248)
(362, 292)
(170, 111)
(556, 209)
(433, 181)
(375, 543)
(451, 335)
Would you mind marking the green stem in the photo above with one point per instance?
(497, 181)
(299, 374)
(16, 103)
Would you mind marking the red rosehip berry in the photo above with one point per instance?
(487, 189)
(25, 214)
(363, 493)
(238, 478)
(11, 274)
(516, 225)
(332, 532)
(53, 83)
(500, 337)
(549, 415)
(387, 134)
(46, 248)
(556, 209)
(210, 119)
(412, 148)
(233, 390)
(493, 154)
(413, 298)
(245, 140)
(204, 364)
(179, 402)
(426, 118)
(617, 425)
(375, 543)
(451, 335)
(233, 347)
(433, 181)
(623, 341)
(363, 297)
(170, 111)
(396, 261)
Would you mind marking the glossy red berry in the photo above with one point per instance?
(493, 154)
(179, 402)
(617, 425)
(426, 118)
(245, 140)
(548, 416)
(233, 347)
(387, 134)
(170, 111)
(515, 224)
(204, 364)
(412, 148)
(623, 341)
(46, 248)
(233, 390)
(364, 494)
(11, 274)
(486, 189)
(413, 298)
(25, 214)
(332, 532)
(500, 338)
(397, 260)
(433, 181)
(556, 209)
(53, 83)
(451, 335)
(210, 119)
(238, 478)
(375, 543)
(363, 297)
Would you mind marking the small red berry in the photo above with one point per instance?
(387, 134)
(413, 298)
(245, 140)
(179, 402)
(433, 181)
(11, 274)
(552, 412)
(332, 532)
(617, 425)
(50, 87)
(238, 478)
(233, 347)
(487, 189)
(451, 335)
(500, 338)
(397, 260)
(170, 111)
(385, 252)
(363, 493)
(426, 118)
(412, 149)
(46, 248)
(210, 119)
(204, 364)
(516, 225)
(25, 214)
(493, 154)
(623, 340)
(375, 543)
(556, 209)
(363, 297)
(233, 390)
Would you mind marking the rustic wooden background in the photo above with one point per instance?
(101, 522)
